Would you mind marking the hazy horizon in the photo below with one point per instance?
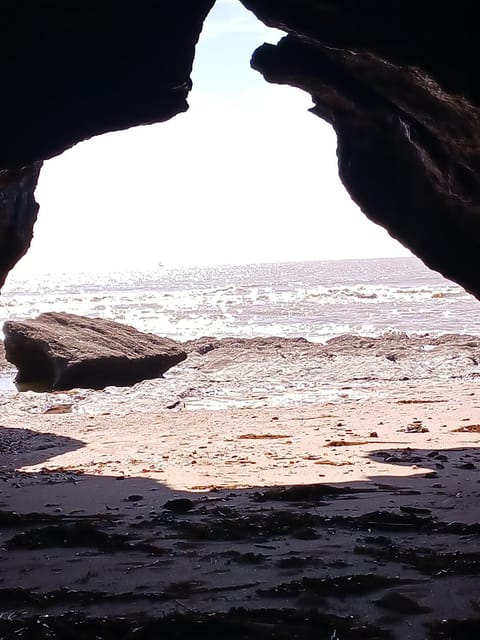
(106, 269)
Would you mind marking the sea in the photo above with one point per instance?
(301, 319)
(314, 300)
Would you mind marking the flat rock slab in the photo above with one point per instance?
(63, 351)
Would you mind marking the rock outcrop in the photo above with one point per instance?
(73, 70)
(18, 213)
(397, 80)
(63, 351)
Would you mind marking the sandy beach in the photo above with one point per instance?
(364, 504)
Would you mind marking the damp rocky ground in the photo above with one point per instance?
(355, 516)
(302, 561)
(273, 371)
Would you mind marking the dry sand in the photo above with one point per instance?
(384, 525)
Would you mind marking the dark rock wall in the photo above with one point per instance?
(18, 213)
(72, 70)
(398, 81)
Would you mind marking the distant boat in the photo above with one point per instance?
(160, 265)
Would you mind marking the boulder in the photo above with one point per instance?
(405, 110)
(63, 351)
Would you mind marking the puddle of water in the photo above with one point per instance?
(38, 387)
(7, 382)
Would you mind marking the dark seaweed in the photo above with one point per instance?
(77, 535)
(426, 560)
(237, 624)
(334, 586)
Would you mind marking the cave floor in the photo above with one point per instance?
(355, 518)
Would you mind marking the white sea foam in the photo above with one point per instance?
(316, 300)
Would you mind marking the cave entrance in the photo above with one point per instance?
(247, 175)
(223, 223)
(247, 178)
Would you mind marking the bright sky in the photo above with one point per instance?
(246, 175)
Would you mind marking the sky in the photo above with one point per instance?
(246, 175)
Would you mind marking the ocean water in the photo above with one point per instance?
(314, 300)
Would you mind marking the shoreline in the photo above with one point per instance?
(230, 373)
(318, 439)
(377, 484)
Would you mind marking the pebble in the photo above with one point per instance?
(179, 505)
(467, 465)
(135, 497)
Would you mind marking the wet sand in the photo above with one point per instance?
(365, 504)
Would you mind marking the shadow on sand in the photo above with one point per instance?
(97, 556)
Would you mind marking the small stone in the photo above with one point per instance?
(381, 540)
(373, 434)
(179, 505)
(400, 604)
(177, 404)
(59, 408)
(467, 465)
(305, 533)
(415, 427)
(416, 510)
